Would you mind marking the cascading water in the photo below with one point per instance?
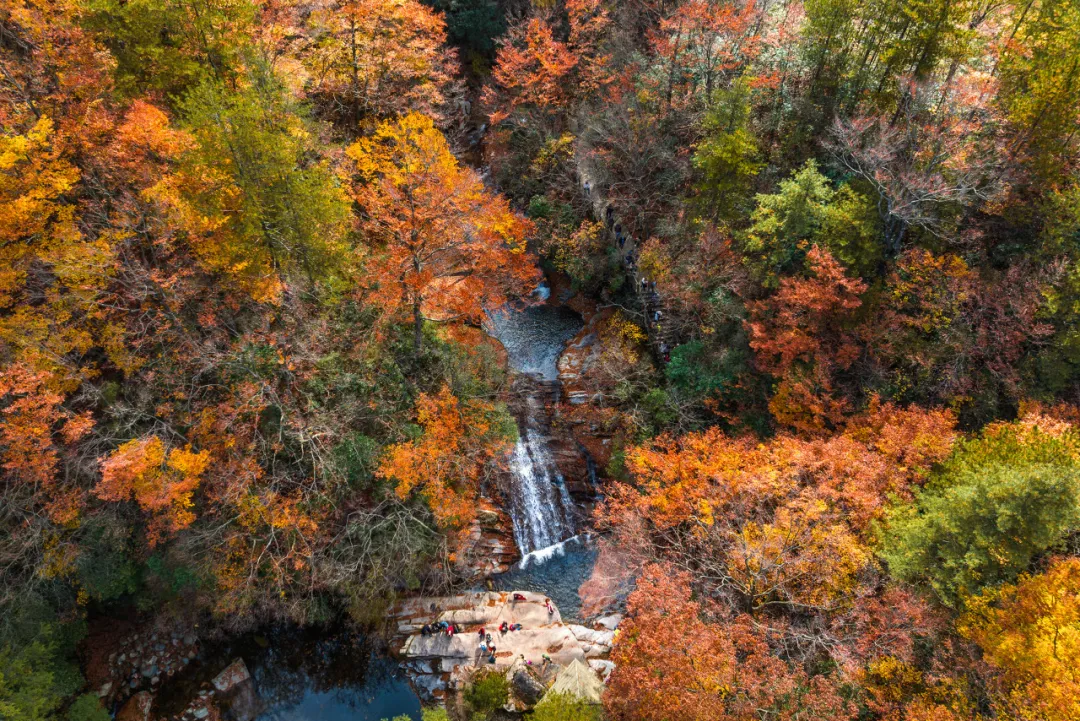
(542, 511)
(534, 337)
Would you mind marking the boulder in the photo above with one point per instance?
(602, 667)
(430, 686)
(580, 681)
(526, 688)
(236, 692)
(234, 674)
(137, 707)
(610, 622)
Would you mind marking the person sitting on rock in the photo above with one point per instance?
(550, 608)
(504, 627)
(450, 630)
(519, 597)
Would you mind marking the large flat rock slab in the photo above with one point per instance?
(452, 659)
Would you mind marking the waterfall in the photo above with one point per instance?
(541, 508)
(534, 337)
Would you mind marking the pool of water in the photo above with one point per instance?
(534, 337)
(303, 674)
(558, 575)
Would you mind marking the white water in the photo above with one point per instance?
(534, 337)
(543, 555)
(542, 510)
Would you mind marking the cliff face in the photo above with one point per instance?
(489, 547)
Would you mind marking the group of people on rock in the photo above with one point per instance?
(430, 629)
(486, 647)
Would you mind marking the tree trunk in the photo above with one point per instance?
(418, 328)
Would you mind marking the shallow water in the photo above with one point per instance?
(534, 337)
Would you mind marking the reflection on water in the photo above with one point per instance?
(304, 674)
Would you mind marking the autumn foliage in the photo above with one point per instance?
(447, 463)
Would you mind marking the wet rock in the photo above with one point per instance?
(234, 674)
(236, 692)
(526, 688)
(430, 686)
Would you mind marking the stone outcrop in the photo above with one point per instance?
(137, 708)
(439, 662)
(579, 680)
(526, 688)
(489, 548)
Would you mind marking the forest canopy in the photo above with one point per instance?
(248, 249)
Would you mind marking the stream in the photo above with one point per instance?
(557, 558)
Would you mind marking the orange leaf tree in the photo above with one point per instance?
(444, 245)
(671, 661)
(800, 336)
(380, 58)
(446, 464)
(161, 481)
(532, 68)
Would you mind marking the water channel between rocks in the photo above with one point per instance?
(556, 554)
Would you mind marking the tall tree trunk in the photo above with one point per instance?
(418, 328)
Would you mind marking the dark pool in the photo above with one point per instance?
(303, 674)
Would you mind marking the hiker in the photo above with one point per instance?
(519, 597)
(426, 630)
(451, 630)
(588, 189)
(546, 661)
(609, 215)
(550, 608)
(481, 633)
(488, 638)
(656, 316)
(644, 284)
(483, 647)
(622, 241)
(504, 627)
